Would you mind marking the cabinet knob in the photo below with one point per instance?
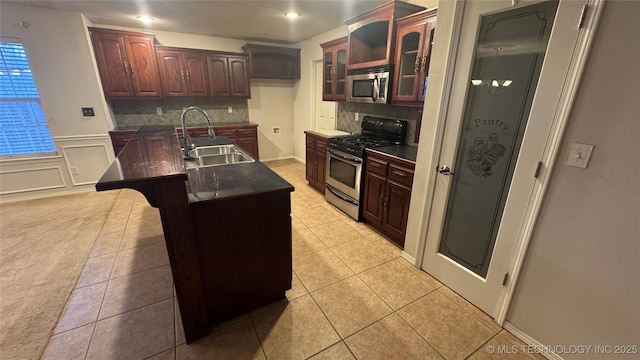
(416, 66)
(424, 64)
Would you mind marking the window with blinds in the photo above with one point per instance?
(23, 126)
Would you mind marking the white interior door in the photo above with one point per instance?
(510, 69)
(325, 111)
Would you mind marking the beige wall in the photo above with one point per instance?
(60, 57)
(580, 281)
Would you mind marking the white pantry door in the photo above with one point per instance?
(325, 111)
(510, 69)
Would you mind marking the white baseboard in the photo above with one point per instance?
(10, 198)
(529, 340)
(409, 258)
(278, 158)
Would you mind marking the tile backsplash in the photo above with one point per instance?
(139, 112)
(345, 119)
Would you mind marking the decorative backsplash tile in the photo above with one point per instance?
(345, 118)
(139, 112)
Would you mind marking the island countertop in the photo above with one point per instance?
(154, 155)
(220, 225)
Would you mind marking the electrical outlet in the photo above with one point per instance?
(230, 109)
(357, 115)
(74, 170)
(159, 110)
(275, 130)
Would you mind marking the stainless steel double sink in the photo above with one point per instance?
(217, 155)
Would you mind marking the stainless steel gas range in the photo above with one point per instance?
(345, 160)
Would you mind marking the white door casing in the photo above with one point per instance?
(565, 57)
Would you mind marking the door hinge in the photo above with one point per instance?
(538, 167)
(583, 15)
(504, 279)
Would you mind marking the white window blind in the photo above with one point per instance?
(23, 126)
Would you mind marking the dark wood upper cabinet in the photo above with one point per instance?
(126, 63)
(273, 62)
(229, 76)
(372, 34)
(413, 55)
(334, 70)
(183, 72)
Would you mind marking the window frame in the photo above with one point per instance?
(21, 104)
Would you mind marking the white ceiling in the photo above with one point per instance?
(260, 20)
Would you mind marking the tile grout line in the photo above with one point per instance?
(95, 323)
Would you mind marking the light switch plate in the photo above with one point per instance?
(579, 155)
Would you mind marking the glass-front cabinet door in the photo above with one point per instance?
(413, 53)
(334, 72)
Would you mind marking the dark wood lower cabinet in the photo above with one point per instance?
(245, 136)
(387, 194)
(316, 160)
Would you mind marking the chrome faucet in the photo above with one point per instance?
(188, 144)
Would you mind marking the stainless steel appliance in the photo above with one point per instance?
(345, 160)
(369, 85)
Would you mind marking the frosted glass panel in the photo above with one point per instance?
(510, 49)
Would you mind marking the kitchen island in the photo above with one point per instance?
(227, 228)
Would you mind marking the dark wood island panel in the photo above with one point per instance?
(248, 239)
(227, 254)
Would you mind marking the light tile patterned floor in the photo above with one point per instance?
(352, 297)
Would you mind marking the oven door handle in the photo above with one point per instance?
(341, 197)
(344, 157)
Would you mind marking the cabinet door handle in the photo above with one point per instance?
(130, 68)
(182, 72)
(399, 173)
(124, 65)
(380, 201)
(424, 64)
(416, 66)
(375, 165)
(188, 75)
(386, 204)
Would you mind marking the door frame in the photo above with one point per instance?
(553, 143)
(315, 65)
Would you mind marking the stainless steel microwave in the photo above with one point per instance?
(369, 86)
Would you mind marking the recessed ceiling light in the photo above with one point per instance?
(144, 19)
(292, 15)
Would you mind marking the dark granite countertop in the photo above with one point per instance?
(407, 152)
(153, 156)
(218, 182)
